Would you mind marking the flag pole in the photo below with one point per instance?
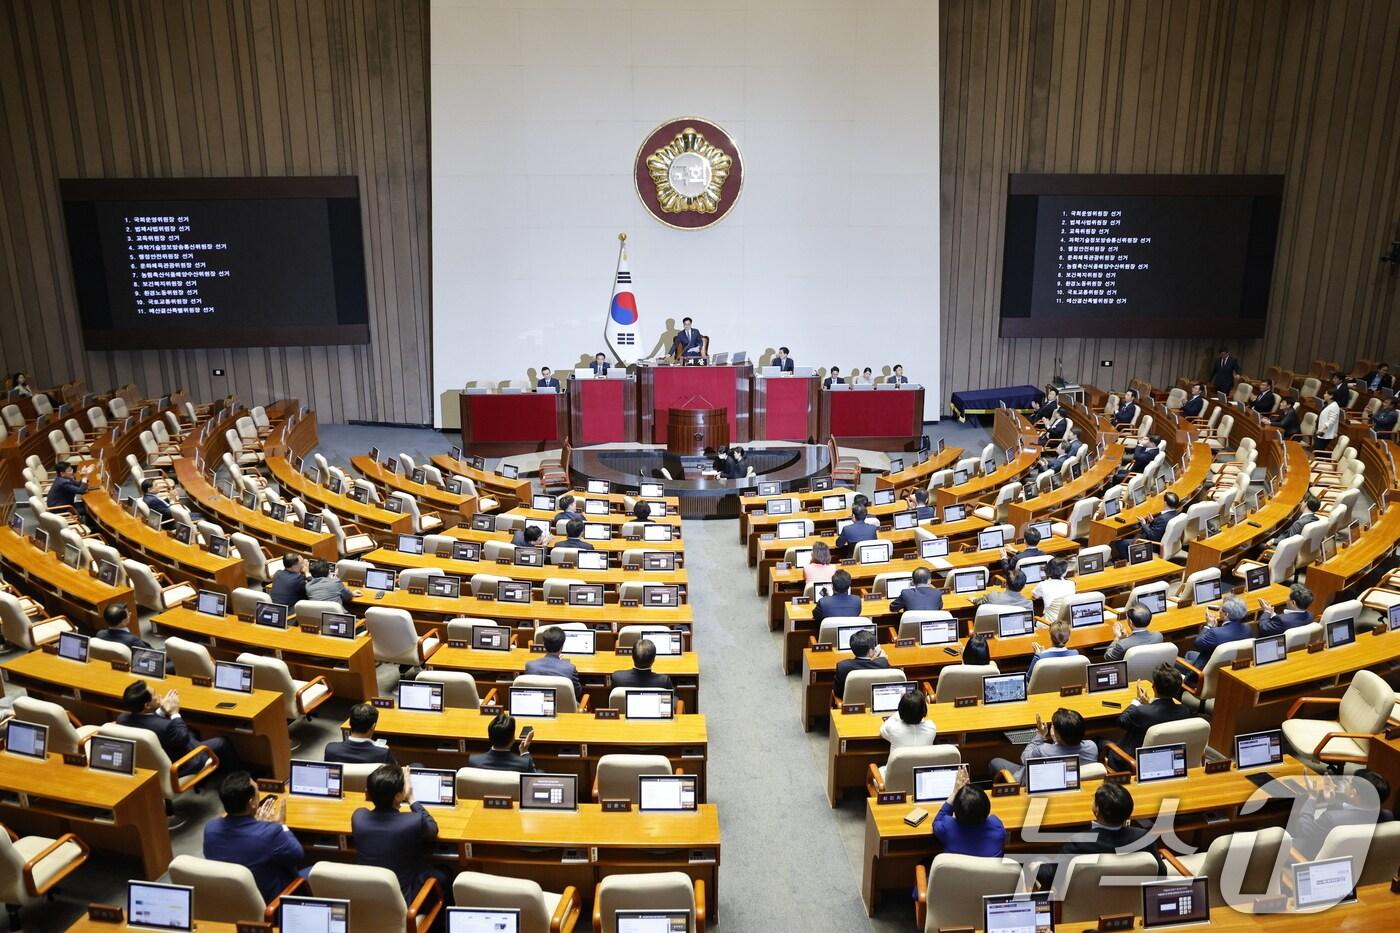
(621, 247)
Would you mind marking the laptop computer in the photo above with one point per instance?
(649, 704)
(433, 787)
(970, 580)
(651, 921)
(1323, 883)
(1340, 632)
(660, 596)
(410, 544)
(230, 675)
(580, 640)
(108, 753)
(444, 587)
(591, 560)
(1155, 601)
(667, 792)
(1015, 624)
(73, 647)
(879, 552)
(491, 638)
(155, 906)
(844, 633)
(27, 738)
(1205, 591)
(148, 662)
(273, 615)
(989, 539)
(954, 513)
(1270, 649)
(938, 632)
(483, 920)
(211, 603)
(597, 531)
(934, 783)
(338, 624)
(1089, 563)
(1085, 614)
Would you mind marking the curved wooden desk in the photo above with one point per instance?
(454, 509)
(1058, 502)
(986, 486)
(1188, 484)
(379, 523)
(61, 589)
(917, 475)
(1221, 550)
(508, 493)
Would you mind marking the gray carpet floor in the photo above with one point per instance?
(789, 862)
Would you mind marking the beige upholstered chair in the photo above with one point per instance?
(150, 756)
(1050, 674)
(154, 591)
(1361, 715)
(191, 659)
(1142, 660)
(564, 699)
(224, 892)
(667, 890)
(31, 866)
(1087, 897)
(1261, 850)
(28, 633)
(618, 773)
(958, 883)
(67, 735)
(299, 697)
(540, 911)
(1195, 732)
(858, 684)
(476, 783)
(395, 638)
(458, 688)
(1374, 848)
(376, 903)
(898, 773)
(962, 680)
(1200, 697)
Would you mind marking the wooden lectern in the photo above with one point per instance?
(690, 430)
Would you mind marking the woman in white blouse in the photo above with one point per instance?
(909, 725)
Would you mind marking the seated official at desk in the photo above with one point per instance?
(965, 825)
(898, 379)
(360, 747)
(566, 512)
(783, 361)
(1154, 529)
(161, 715)
(1222, 627)
(19, 386)
(1144, 453)
(689, 342)
(1032, 549)
(1288, 420)
(1060, 631)
(66, 489)
(573, 537)
(1356, 799)
(833, 378)
(1267, 398)
(1063, 736)
(553, 663)
(501, 733)
(599, 364)
(325, 585)
(1195, 406)
(1055, 588)
(1141, 633)
(909, 725)
(1142, 714)
(1378, 378)
(154, 502)
(1055, 427)
(1386, 417)
(819, 569)
(1112, 832)
(1011, 596)
(736, 467)
(867, 657)
(640, 675)
(1295, 612)
(919, 594)
(254, 835)
(1127, 412)
(1053, 462)
(642, 511)
(917, 499)
(386, 837)
(866, 377)
(858, 530)
(841, 604)
(289, 583)
(114, 617)
(547, 380)
(529, 536)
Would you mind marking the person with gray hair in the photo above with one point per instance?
(1222, 627)
(1123, 639)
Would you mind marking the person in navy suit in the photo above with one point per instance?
(841, 604)
(858, 530)
(1266, 400)
(1128, 410)
(1154, 529)
(689, 342)
(1229, 625)
(783, 361)
(547, 380)
(154, 502)
(1032, 549)
(833, 378)
(573, 536)
(552, 665)
(1294, 614)
(918, 501)
(1194, 406)
(1047, 408)
(1379, 378)
(599, 365)
(1385, 418)
(918, 596)
(567, 513)
(640, 676)
(1055, 427)
(898, 378)
(1223, 372)
(1144, 454)
(867, 656)
(360, 748)
(501, 733)
(386, 837)
(161, 715)
(255, 836)
(114, 617)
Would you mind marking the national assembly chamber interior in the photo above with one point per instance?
(408, 406)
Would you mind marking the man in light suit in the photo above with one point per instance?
(919, 596)
(161, 715)
(552, 664)
(1294, 614)
(783, 361)
(898, 378)
(841, 604)
(1141, 618)
(547, 380)
(1224, 371)
(689, 342)
(386, 837)
(599, 365)
(360, 747)
(254, 836)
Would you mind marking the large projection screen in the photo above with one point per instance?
(831, 250)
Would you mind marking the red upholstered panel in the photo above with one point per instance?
(872, 414)
(601, 404)
(674, 385)
(787, 409)
(498, 419)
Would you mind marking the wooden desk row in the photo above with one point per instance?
(383, 525)
(1188, 484)
(918, 475)
(508, 493)
(61, 589)
(614, 547)
(1058, 502)
(612, 578)
(1221, 549)
(454, 509)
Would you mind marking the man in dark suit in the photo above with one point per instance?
(1266, 400)
(918, 501)
(599, 365)
(114, 618)
(386, 837)
(736, 466)
(254, 836)
(1055, 427)
(1128, 410)
(867, 657)
(1294, 614)
(1143, 714)
(1112, 829)
(858, 530)
(552, 664)
(573, 536)
(833, 378)
(1047, 408)
(841, 604)
(289, 583)
(641, 675)
(1334, 801)
(689, 342)
(920, 595)
(1385, 418)
(1032, 549)
(1153, 529)
(360, 747)
(1069, 447)
(1224, 371)
(1195, 406)
(1379, 378)
(154, 502)
(1144, 453)
(567, 512)
(1305, 518)
(547, 380)
(783, 361)
(501, 733)
(1341, 389)
(66, 489)
(898, 378)
(161, 715)
(1227, 624)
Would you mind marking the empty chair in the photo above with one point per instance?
(422, 521)
(1260, 849)
(104, 649)
(1142, 660)
(376, 901)
(311, 610)
(416, 578)
(959, 883)
(984, 621)
(395, 638)
(460, 629)
(13, 416)
(1087, 896)
(540, 911)
(224, 892)
(257, 564)
(243, 602)
(458, 687)
(299, 697)
(1195, 732)
(897, 774)
(962, 680)
(67, 735)
(486, 583)
(996, 512)
(190, 658)
(617, 775)
(476, 783)
(1375, 850)
(153, 590)
(564, 699)
(912, 620)
(668, 890)
(1361, 714)
(20, 630)
(32, 866)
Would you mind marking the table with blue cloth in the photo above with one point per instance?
(986, 401)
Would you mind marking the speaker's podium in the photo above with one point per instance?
(694, 426)
(723, 389)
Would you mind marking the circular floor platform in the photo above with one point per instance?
(791, 466)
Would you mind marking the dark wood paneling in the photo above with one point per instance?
(118, 88)
(1304, 88)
